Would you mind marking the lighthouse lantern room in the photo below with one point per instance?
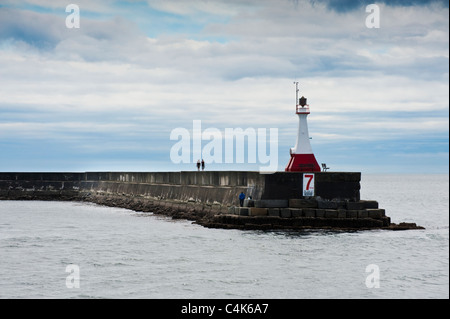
(302, 157)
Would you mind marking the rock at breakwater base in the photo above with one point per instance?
(301, 223)
(404, 226)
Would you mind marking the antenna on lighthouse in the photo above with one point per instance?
(296, 93)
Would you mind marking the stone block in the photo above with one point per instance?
(171, 205)
(363, 213)
(303, 203)
(386, 221)
(271, 203)
(243, 211)
(370, 204)
(224, 210)
(258, 211)
(352, 214)
(320, 213)
(231, 210)
(285, 213)
(355, 205)
(206, 209)
(189, 206)
(331, 213)
(215, 209)
(296, 212)
(341, 204)
(339, 177)
(249, 203)
(327, 204)
(309, 212)
(375, 213)
(274, 212)
(341, 213)
(182, 206)
(198, 208)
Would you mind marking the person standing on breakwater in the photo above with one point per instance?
(241, 198)
(198, 165)
(203, 165)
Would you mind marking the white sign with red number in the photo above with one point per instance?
(308, 184)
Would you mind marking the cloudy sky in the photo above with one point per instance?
(106, 96)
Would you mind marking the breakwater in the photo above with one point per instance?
(211, 198)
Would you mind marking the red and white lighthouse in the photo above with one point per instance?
(302, 156)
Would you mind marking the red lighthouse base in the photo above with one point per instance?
(302, 163)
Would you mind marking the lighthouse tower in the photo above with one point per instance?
(302, 156)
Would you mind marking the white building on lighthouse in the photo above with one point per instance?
(302, 157)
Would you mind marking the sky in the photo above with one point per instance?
(107, 96)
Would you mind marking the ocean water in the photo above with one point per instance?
(78, 250)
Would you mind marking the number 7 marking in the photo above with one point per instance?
(309, 181)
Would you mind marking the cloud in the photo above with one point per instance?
(111, 90)
(58, 7)
(33, 28)
(351, 5)
(201, 7)
(272, 41)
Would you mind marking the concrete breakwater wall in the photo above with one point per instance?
(211, 198)
(204, 187)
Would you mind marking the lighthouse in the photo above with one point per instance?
(302, 157)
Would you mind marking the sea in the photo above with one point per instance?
(54, 250)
